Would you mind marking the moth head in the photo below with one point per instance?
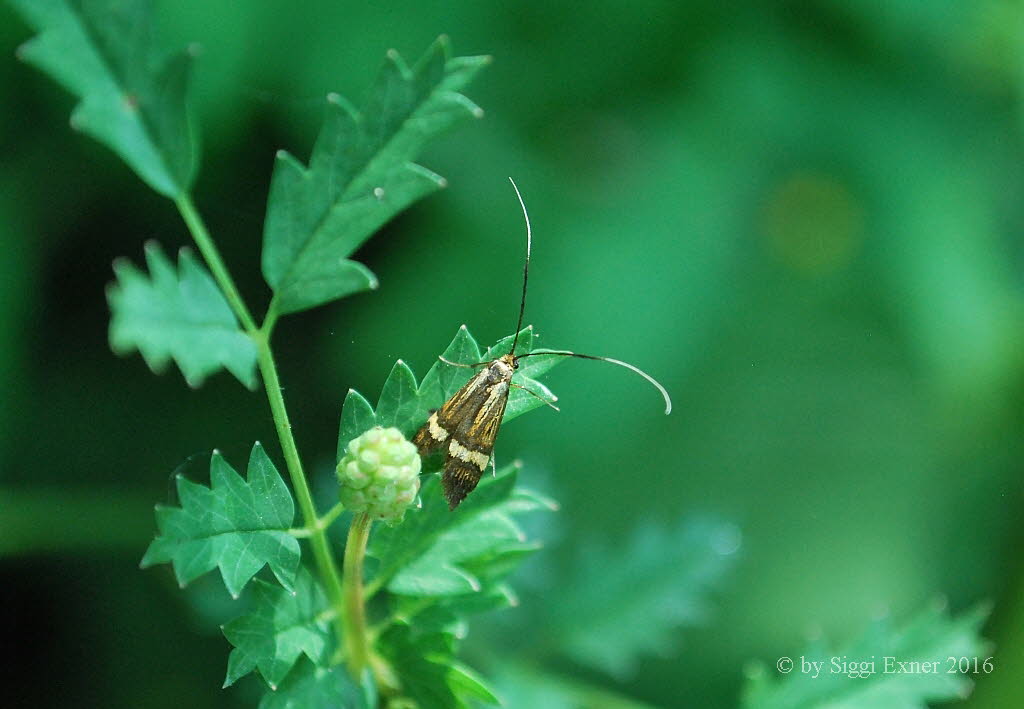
(510, 360)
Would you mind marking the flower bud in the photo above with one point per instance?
(379, 474)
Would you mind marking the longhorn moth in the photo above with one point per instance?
(467, 424)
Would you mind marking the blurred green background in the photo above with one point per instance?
(805, 218)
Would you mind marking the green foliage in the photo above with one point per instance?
(437, 566)
(178, 315)
(441, 566)
(360, 175)
(279, 627)
(438, 552)
(406, 405)
(309, 686)
(420, 557)
(237, 525)
(132, 97)
(640, 594)
(929, 637)
(429, 674)
(615, 606)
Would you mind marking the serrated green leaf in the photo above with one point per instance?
(360, 175)
(178, 314)
(279, 627)
(433, 551)
(132, 96)
(309, 686)
(929, 637)
(639, 594)
(236, 525)
(428, 671)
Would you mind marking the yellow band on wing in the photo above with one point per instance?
(457, 450)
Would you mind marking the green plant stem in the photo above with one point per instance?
(212, 257)
(356, 635)
(317, 532)
(271, 318)
(332, 514)
(268, 369)
(326, 520)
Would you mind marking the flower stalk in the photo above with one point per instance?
(357, 638)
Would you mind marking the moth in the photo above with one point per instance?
(467, 424)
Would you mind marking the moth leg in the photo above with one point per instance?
(535, 394)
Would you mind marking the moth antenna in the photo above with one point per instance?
(526, 266)
(627, 365)
(534, 394)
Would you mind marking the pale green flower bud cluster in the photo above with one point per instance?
(379, 474)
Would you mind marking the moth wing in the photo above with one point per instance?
(470, 448)
(444, 422)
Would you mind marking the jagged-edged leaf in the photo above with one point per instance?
(360, 175)
(406, 404)
(429, 674)
(132, 94)
(310, 686)
(639, 593)
(878, 679)
(437, 552)
(235, 525)
(178, 314)
(279, 627)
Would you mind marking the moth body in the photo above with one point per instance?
(467, 426)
